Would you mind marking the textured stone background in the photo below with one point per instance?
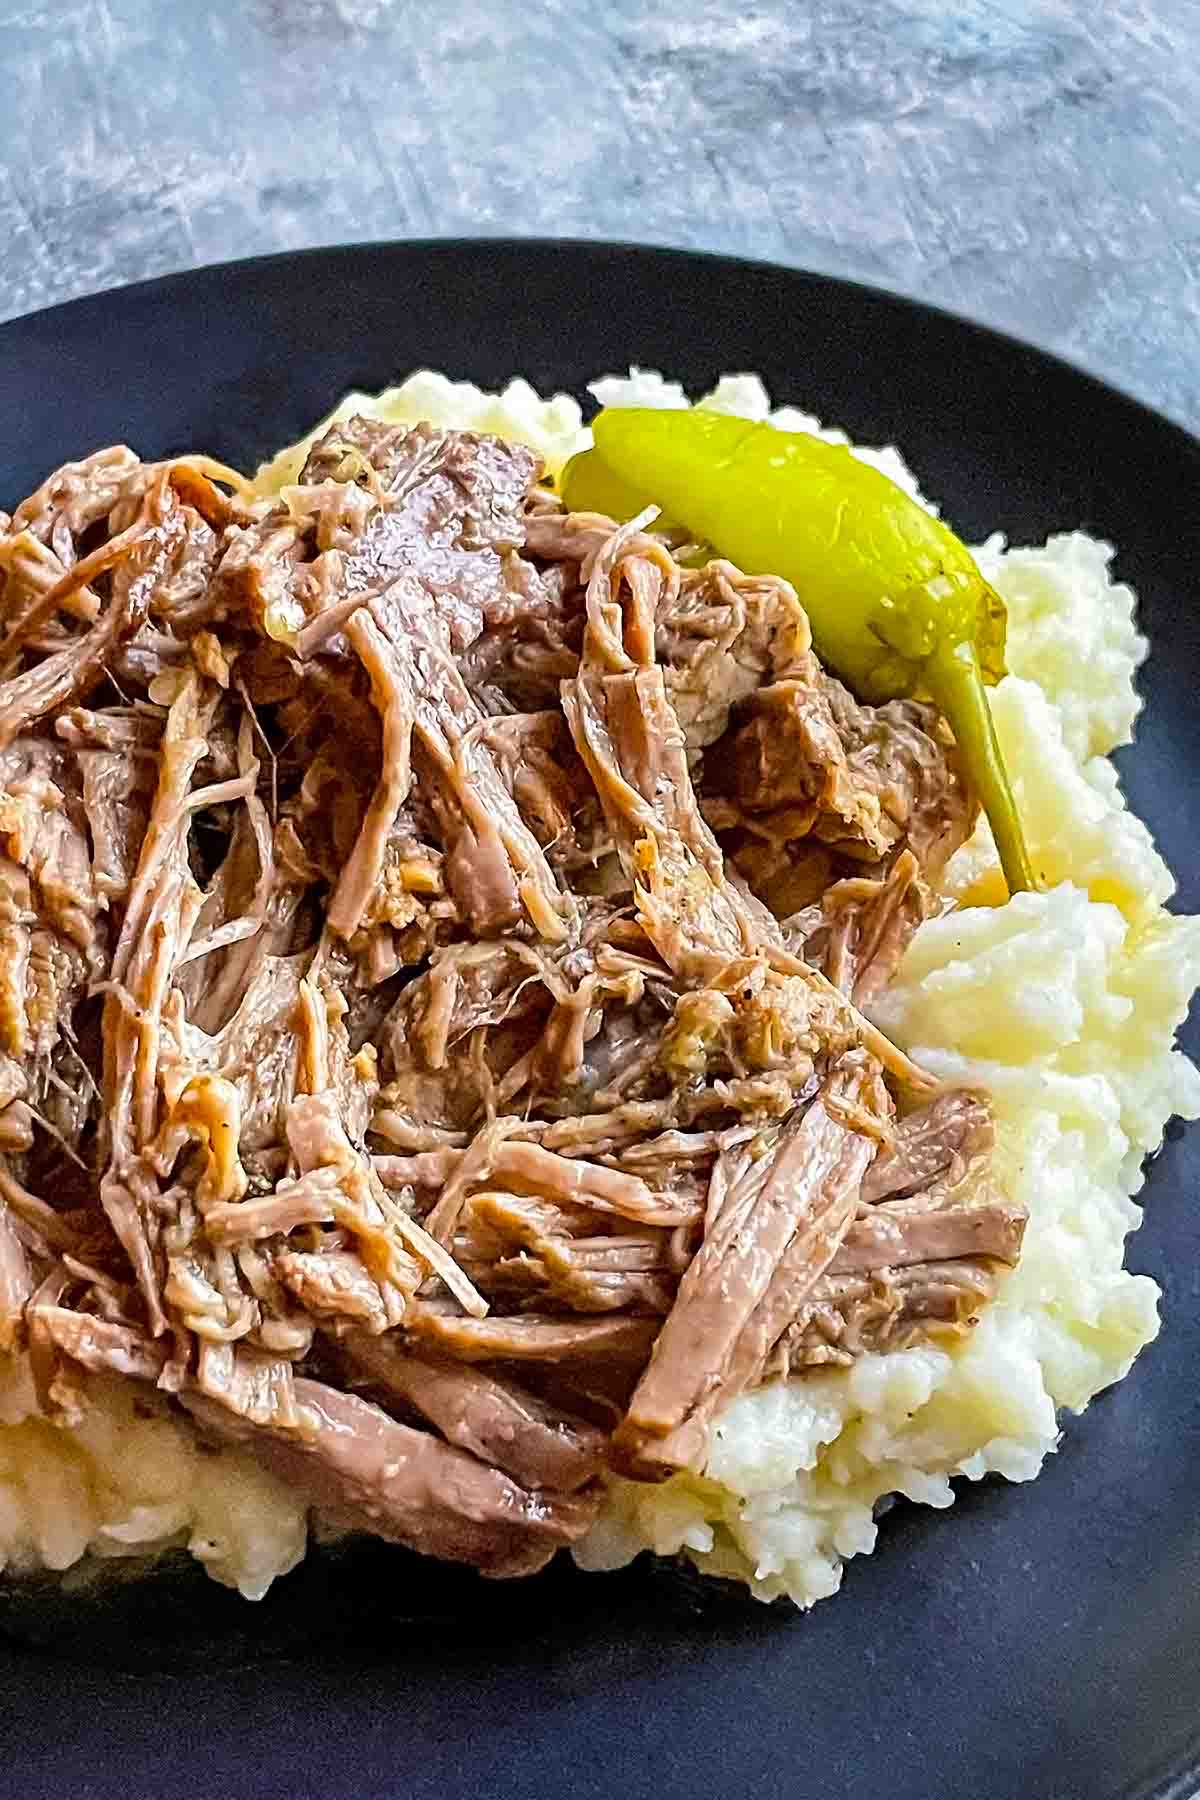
(1032, 162)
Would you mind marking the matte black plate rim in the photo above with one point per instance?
(1189, 441)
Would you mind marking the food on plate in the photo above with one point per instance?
(503, 1049)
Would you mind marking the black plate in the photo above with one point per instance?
(1037, 1641)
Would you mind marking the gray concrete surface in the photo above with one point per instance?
(1035, 163)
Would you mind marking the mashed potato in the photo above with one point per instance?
(1064, 1004)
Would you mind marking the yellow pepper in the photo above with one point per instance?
(897, 604)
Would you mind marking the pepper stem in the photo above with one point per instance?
(957, 686)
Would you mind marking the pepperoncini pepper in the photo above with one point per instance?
(897, 604)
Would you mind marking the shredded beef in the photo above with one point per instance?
(434, 934)
(17, 1283)
(368, 1472)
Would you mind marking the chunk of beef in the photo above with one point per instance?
(808, 760)
(137, 560)
(555, 1256)
(40, 544)
(335, 1285)
(538, 766)
(101, 1346)
(258, 1049)
(529, 1338)
(778, 1228)
(494, 865)
(488, 1021)
(52, 937)
(863, 925)
(366, 1472)
(387, 1238)
(496, 1420)
(520, 658)
(17, 1281)
(719, 638)
(466, 986)
(453, 509)
(936, 1143)
(905, 754)
(432, 563)
(162, 909)
(788, 761)
(847, 1316)
(117, 788)
(899, 1233)
(590, 1185)
(254, 1387)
